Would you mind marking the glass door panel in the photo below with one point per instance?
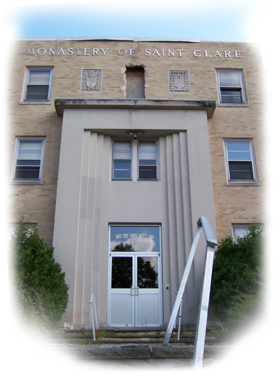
(147, 272)
(121, 272)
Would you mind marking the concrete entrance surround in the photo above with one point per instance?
(88, 201)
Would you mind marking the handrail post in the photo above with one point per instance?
(203, 309)
(92, 300)
(205, 292)
(182, 287)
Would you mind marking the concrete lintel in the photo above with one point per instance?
(136, 104)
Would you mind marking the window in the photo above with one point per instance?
(29, 159)
(38, 84)
(133, 160)
(240, 231)
(231, 86)
(135, 82)
(240, 161)
(122, 159)
(147, 160)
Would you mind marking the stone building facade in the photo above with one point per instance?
(121, 145)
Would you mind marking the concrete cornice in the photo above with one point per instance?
(164, 104)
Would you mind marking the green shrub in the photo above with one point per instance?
(237, 279)
(40, 289)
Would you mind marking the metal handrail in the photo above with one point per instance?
(205, 292)
(94, 320)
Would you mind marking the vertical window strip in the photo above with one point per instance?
(29, 159)
(38, 84)
(231, 86)
(240, 160)
(122, 157)
(147, 160)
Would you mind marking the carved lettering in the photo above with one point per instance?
(166, 52)
(122, 52)
(104, 51)
(41, 51)
(61, 51)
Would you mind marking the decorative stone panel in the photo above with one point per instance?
(179, 81)
(91, 80)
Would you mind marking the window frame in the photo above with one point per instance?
(242, 88)
(252, 160)
(37, 101)
(17, 146)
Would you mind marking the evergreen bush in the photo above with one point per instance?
(237, 278)
(40, 289)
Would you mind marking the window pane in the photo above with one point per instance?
(122, 151)
(241, 170)
(147, 162)
(38, 77)
(122, 169)
(29, 150)
(229, 78)
(121, 276)
(239, 156)
(147, 172)
(231, 99)
(240, 231)
(238, 146)
(30, 163)
(27, 173)
(122, 164)
(37, 92)
(239, 151)
(135, 238)
(147, 151)
(122, 174)
(147, 272)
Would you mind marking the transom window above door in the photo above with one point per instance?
(134, 160)
(131, 238)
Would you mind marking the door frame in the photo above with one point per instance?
(134, 256)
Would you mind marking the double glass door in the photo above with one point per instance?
(134, 277)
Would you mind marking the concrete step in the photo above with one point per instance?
(124, 337)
